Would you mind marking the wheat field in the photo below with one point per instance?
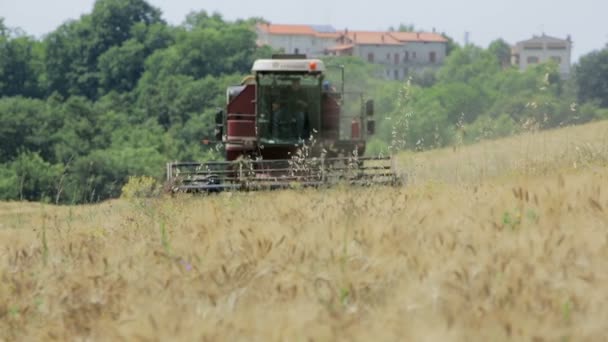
(499, 241)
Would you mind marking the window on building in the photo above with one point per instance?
(370, 57)
(532, 60)
(396, 74)
(432, 57)
(406, 56)
(556, 59)
(296, 51)
(396, 58)
(414, 55)
(388, 56)
(556, 47)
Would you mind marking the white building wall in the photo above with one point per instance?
(545, 51)
(412, 57)
(385, 55)
(420, 53)
(292, 43)
(310, 45)
(324, 43)
(545, 55)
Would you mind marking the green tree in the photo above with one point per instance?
(9, 183)
(208, 51)
(592, 77)
(403, 28)
(502, 51)
(451, 44)
(20, 66)
(80, 132)
(202, 20)
(471, 64)
(112, 21)
(153, 36)
(69, 60)
(36, 178)
(26, 124)
(75, 48)
(426, 78)
(173, 99)
(463, 102)
(486, 127)
(101, 174)
(120, 67)
(3, 28)
(420, 121)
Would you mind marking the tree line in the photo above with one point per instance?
(477, 94)
(118, 92)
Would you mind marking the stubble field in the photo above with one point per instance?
(500, 241)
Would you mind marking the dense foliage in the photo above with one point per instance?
(593, 77)
(477, 95)
(118, 92)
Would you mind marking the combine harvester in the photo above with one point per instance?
(283, 127)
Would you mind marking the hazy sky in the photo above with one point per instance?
(486, 20)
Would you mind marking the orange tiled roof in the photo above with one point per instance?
(327, 34)
(357, 37)
(304, 30)
(371, 38)
(341, 47)
(418, 37)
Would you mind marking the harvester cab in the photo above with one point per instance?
(286, 125)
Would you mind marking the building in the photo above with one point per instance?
(373, 47)
(400, 53)
(423, 49)
(541, 49)
(311, 40)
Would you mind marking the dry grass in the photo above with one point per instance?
(522, 156)
(520, 257)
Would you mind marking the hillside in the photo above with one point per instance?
(502, 240)
(525, 155)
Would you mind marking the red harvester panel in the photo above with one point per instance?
(241, 129)
(355, 129)
(240, 122)
(330, 118)
(243, 102)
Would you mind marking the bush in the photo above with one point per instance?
(36, 179)
(9, 183)
(589, 112)
(102, 174)
(376, 147)
(485, 128)
(141, 187)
